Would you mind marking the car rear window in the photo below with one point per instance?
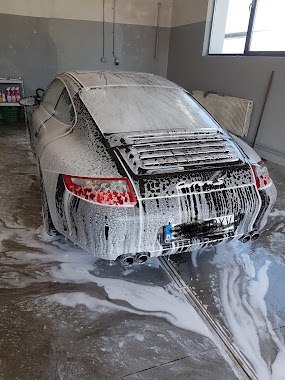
(118, 109)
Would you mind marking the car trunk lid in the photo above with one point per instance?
(203, 170)
(163, 152)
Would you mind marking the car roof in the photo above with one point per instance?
(93, 79)
(122, 101)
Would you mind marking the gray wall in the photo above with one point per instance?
(245, 77)
(38, 48)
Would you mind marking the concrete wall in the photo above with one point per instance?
(40, 39)
(43, 38)
(245, 77)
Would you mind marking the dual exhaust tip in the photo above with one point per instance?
(140, 258)
(253, 236)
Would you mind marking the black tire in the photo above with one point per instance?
(29, 133)
(31, 142)
(48, 223)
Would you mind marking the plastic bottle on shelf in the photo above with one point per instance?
(18, 95)
(13, 95)
(9, 98)
(4, 100)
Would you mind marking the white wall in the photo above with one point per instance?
(136, 12)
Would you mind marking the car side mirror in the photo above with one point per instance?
(28, 101)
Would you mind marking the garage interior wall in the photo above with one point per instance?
(43, 38)
(240, 76)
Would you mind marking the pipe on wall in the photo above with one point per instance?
(103, 58)
(263, 106)
(157, 31)
(116, 59)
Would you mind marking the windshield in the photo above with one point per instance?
(144, 108)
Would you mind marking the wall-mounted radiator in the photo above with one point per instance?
(233, 114)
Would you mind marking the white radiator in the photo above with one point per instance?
(233, 114)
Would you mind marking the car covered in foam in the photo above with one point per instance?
(132, 166)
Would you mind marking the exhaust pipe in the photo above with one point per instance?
(245, 239)
(127, 261)
(255, 236)
(142, 258)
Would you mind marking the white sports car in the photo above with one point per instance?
(132, 166)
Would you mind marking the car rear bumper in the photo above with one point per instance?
(109, 232)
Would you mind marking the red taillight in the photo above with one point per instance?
(261, 174)
(105, 191)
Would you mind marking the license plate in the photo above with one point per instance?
(225, 223)
(220, 224)
(168, 232)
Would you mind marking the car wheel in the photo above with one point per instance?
(29, 133)
(31, 141)
(48, 223)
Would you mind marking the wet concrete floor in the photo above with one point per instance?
(65, 315)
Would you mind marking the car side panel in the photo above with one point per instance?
(81, 151)
(249, 153)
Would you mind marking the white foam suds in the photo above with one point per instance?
(277, 239)
(166, 302)
(69, 264)
(240, 297)
(277, 212)
(194, 256)
(242, 303)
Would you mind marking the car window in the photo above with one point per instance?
(64, 111)
(172, 109)
(52, 95)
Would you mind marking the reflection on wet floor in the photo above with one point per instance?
(65, 315)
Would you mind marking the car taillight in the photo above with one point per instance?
(105, 191)
(261, 174)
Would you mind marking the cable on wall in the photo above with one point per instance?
(103, 59)
(157, 31)
(263, 106)
(116, 59)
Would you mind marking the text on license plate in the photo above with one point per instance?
(223, 224)
(226, 222)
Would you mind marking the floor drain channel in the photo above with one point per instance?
(238, 362)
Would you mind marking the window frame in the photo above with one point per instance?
(71, 99)
(72, 105)
(46, 107)
(247, 52)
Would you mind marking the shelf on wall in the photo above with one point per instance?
(10, 104)
(13, 82)
(9, 81)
